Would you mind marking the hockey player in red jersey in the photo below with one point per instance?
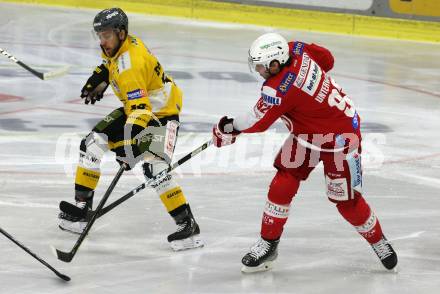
(324, 126)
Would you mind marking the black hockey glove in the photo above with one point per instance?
(96, 85)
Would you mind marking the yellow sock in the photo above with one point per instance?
(87, 178)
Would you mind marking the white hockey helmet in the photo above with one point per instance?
(267, 48)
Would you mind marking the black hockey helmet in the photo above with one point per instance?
(111, 18)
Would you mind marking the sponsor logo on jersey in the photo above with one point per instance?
(323, 92)
(287, 81)
(269, 96)
(298, 48)
(271, 100)
(305, 64)
(136, 94)
(313, 78)
(355, 121)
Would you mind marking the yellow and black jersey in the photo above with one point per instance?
(139, 81)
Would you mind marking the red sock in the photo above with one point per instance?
(282, 189)
(274, 218)
(358, 213)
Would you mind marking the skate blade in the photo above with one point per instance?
(265, 266)
(188, 243)
(72, 227)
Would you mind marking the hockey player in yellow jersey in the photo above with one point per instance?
(144, 129)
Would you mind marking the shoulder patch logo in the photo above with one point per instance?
(287, 81)
(298, 48)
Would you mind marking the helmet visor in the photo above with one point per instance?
(254, 65)
(105, 35)
(251, 65)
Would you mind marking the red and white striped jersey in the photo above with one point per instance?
(305, 96)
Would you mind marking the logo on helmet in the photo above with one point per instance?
(270, 45)
(273, 55)
(112, 14)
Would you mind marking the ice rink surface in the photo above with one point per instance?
(394, 84)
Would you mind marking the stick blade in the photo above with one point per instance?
(64, 277)
(56, 73)
(64, 256)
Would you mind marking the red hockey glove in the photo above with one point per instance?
(223, 133)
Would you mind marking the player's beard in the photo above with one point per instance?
(113, 51)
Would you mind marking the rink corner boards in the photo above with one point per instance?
(306, 20)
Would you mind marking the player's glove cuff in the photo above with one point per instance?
(224, 133)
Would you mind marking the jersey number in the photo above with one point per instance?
(163, 76)
(140, 106)
(342, 103)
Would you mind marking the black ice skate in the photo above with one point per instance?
(386, 253)
(187, 235)
(261, 256)
(74, 218)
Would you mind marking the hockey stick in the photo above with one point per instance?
(66, 206)
(157, 177)
(64, 277)
(100, 211)
(68, 256)
(44, 76)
